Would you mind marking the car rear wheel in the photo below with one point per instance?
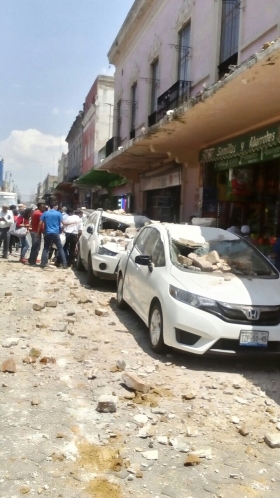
(156, 329)
(92, 280)
(120, 300)
(79, 264)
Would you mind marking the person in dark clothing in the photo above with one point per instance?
(53, 222)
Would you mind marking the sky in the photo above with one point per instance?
(51, 51)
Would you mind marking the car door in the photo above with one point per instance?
(146, 283)
(130, 290)
(85, 239)
(93, 241)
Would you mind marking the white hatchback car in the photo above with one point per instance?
(201, 290)
(104, 238)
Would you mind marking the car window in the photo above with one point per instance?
(92, 219)
(158, 256)
(149, 242)
(140, 241)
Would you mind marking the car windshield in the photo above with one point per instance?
(121, 223)
(108, 224)
(238, 257)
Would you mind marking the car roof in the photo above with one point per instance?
(196, 233)
(126, 219)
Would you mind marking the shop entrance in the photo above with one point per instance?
(164, 204)
(245, 196)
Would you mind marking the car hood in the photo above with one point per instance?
(230, 288)
(119, 245)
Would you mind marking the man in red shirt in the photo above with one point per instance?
(36, 241)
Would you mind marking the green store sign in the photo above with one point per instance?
(253, 148)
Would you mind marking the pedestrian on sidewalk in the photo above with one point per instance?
(23, 221)
(73, 228)
(53, 222)
(35, 237)
(6, 220)
(14, 241)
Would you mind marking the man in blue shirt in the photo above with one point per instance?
(53, 222)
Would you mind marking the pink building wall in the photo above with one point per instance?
(260, 24)
(154, 35)
(159, 29)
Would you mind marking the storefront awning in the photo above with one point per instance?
(64, 187)
(100, 178)
(262, 145)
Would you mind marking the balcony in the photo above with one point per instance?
(73, 174)
(132, 134)
(175, 96)
(112, 145)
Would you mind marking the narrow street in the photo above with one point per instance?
(201, 427)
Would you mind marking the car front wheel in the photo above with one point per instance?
(156, 329)
(120, 300)
(79, 264)
(92, 280)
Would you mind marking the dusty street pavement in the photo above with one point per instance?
(202, 427)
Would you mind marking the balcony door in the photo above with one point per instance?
(229, 36)
(184, 53)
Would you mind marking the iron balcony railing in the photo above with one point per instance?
(112, 145)
(175, 96)
(73, 173)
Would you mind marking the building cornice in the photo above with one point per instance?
(139, 8)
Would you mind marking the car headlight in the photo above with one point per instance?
(105, 252)
(191, 299)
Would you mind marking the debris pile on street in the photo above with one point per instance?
(90, 413)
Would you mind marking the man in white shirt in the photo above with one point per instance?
(6, 220)
(73, 227)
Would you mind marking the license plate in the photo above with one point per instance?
(251, 338)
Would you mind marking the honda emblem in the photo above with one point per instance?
(253, 314)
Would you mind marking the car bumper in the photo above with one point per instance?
(105, 266)
(192, 330)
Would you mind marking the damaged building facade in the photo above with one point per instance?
(196, 83)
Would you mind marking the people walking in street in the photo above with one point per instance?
(35, 237)
(14, 241)
(73, 229)
(6, 220)
(53, 222)
(23, 221)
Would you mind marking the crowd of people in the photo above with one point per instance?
(55, 230)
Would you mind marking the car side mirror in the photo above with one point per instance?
(90, 229)
(144, 260)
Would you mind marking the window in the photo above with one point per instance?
(119, 118)
(184, 53)
(154, 87)
(133, 108)
(229, 36)
(93, 219)
(149, 243)
(140, 241)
